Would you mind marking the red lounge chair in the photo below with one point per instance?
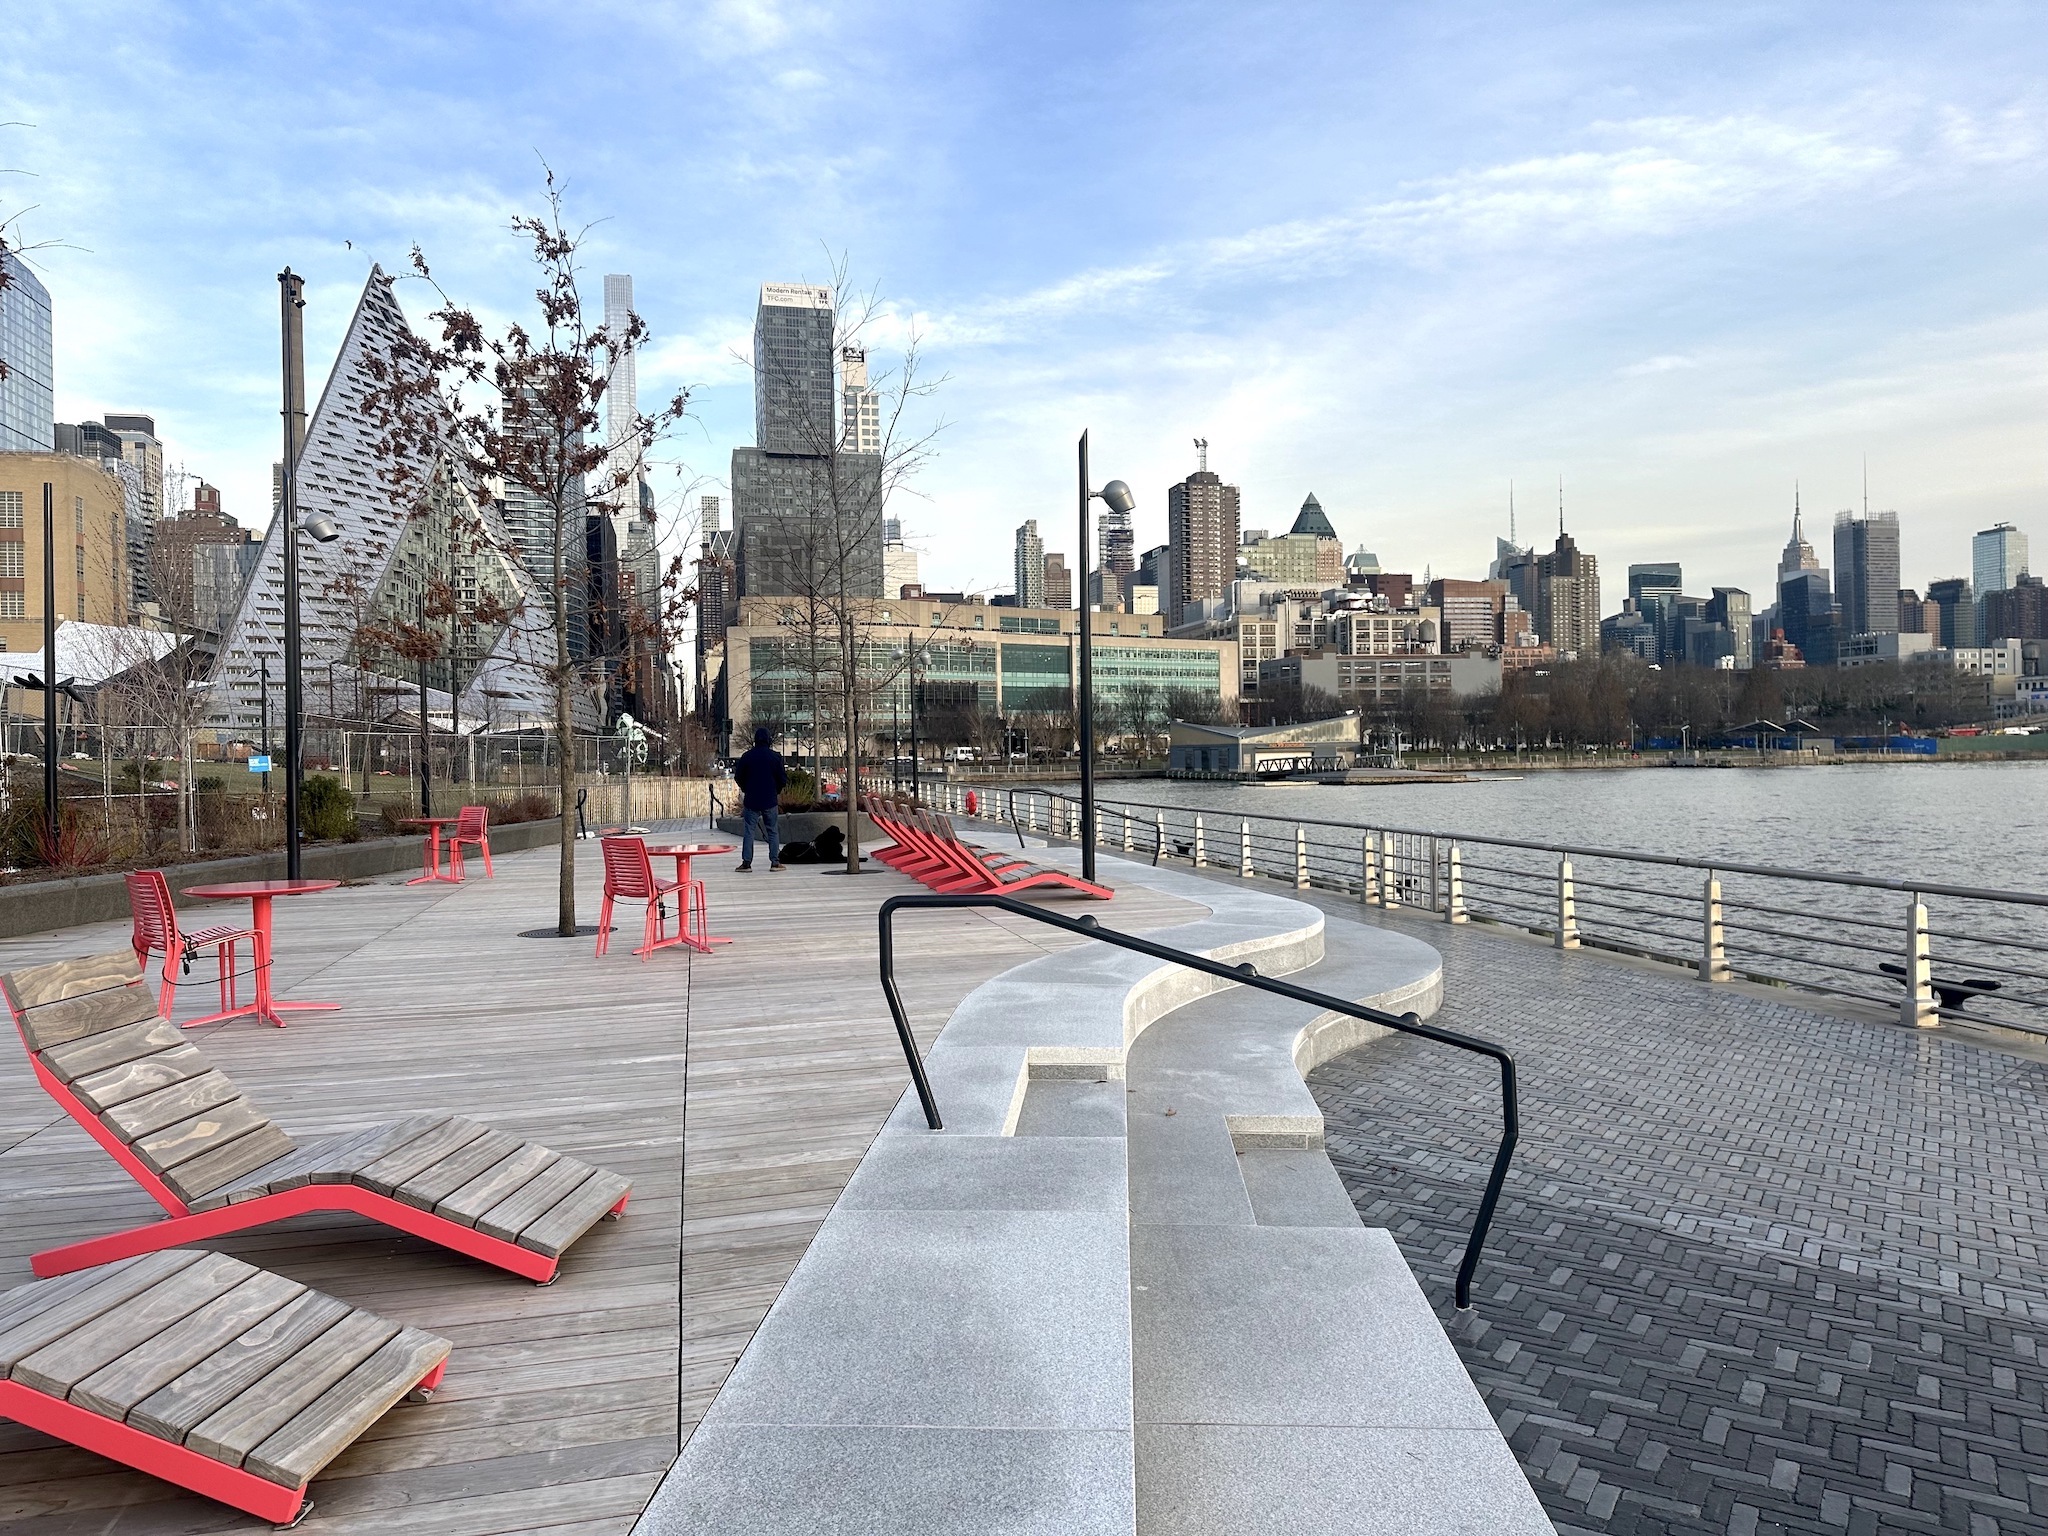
(156, 933)
(472, 830)
(939, 859)
(629, 875)
(217, 1164)
(206, 1372)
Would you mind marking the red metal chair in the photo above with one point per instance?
(157, 932)
(472, 828)
(629, 874)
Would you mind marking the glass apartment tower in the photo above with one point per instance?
(1867, 572)
(27, 403)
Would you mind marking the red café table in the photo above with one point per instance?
(260, 893)
(431, 852)
(692, 890)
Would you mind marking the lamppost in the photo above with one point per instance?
(1118, 498)
(291, 290)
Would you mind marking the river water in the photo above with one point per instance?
(1983, 824)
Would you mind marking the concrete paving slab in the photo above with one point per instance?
(870, 1480)
(990, 1173)
(1289, 1325)
(989, 1318)
(1290, 1188)
(1202, 1479)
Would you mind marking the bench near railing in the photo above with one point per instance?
(1954, 952)
(1244, 975)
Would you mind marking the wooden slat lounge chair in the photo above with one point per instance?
(206, 1372)
(218, 1164)
(933, 853)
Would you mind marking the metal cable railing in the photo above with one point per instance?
(1244, 975)
(1952, 948)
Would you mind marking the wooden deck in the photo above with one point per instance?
(763, 1070)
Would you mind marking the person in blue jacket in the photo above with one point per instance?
(761, 776)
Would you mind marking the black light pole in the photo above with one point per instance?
(291, 292)
(50, 662)
(1117, 497)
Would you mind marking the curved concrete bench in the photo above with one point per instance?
(955, 1351)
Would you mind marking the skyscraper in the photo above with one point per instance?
(807, 512)
(1568, 598)
(899, 560)
(860, 409)
(621, 405)
(1997, 556)
(1806, 613)
(1799, 555)
(1058, 582)
(1201, 540)
(1729, 607)
(27, 407)
(1030, 563)
(1867, 572)
(793, 407)
(1655, 587)
(1956, 608)
(1119, 558)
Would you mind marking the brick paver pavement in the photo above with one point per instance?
(1758, 1269)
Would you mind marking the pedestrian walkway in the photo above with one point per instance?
(1759, 1268)
(772, 1061)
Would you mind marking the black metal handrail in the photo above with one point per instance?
(1244, 974)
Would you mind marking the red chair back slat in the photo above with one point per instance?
(472, 820)
(628, 871)
(156, 921)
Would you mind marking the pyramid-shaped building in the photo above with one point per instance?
(350, 590)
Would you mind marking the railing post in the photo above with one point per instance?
(1390, 870)
(1127, 832)
(1435, 866)
(1916, 1008)
(1198, 842)
(1244, 849)
(1567, 908)
(1368, 870)
(1159, 823)
(1714, 942)
(1454, 887)
(1300, 859)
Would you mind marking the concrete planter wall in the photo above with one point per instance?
(38, 906)
(804, 826)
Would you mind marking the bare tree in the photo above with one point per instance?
(538, 430)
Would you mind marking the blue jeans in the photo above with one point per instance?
(767, 819)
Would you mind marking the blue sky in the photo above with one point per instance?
(1399, 255)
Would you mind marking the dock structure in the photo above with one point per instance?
(1124, 1289)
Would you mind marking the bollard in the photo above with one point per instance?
(1244, 849)
(1714, 943)
(1454, 887)
(1198, 842)
(1567, 908)
(1300, 859)
(1917, 1008)
(1127, 832)
(1368, 869)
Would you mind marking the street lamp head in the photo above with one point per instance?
(1117, 496)
(319, 528)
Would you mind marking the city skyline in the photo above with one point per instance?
(1624, 264)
